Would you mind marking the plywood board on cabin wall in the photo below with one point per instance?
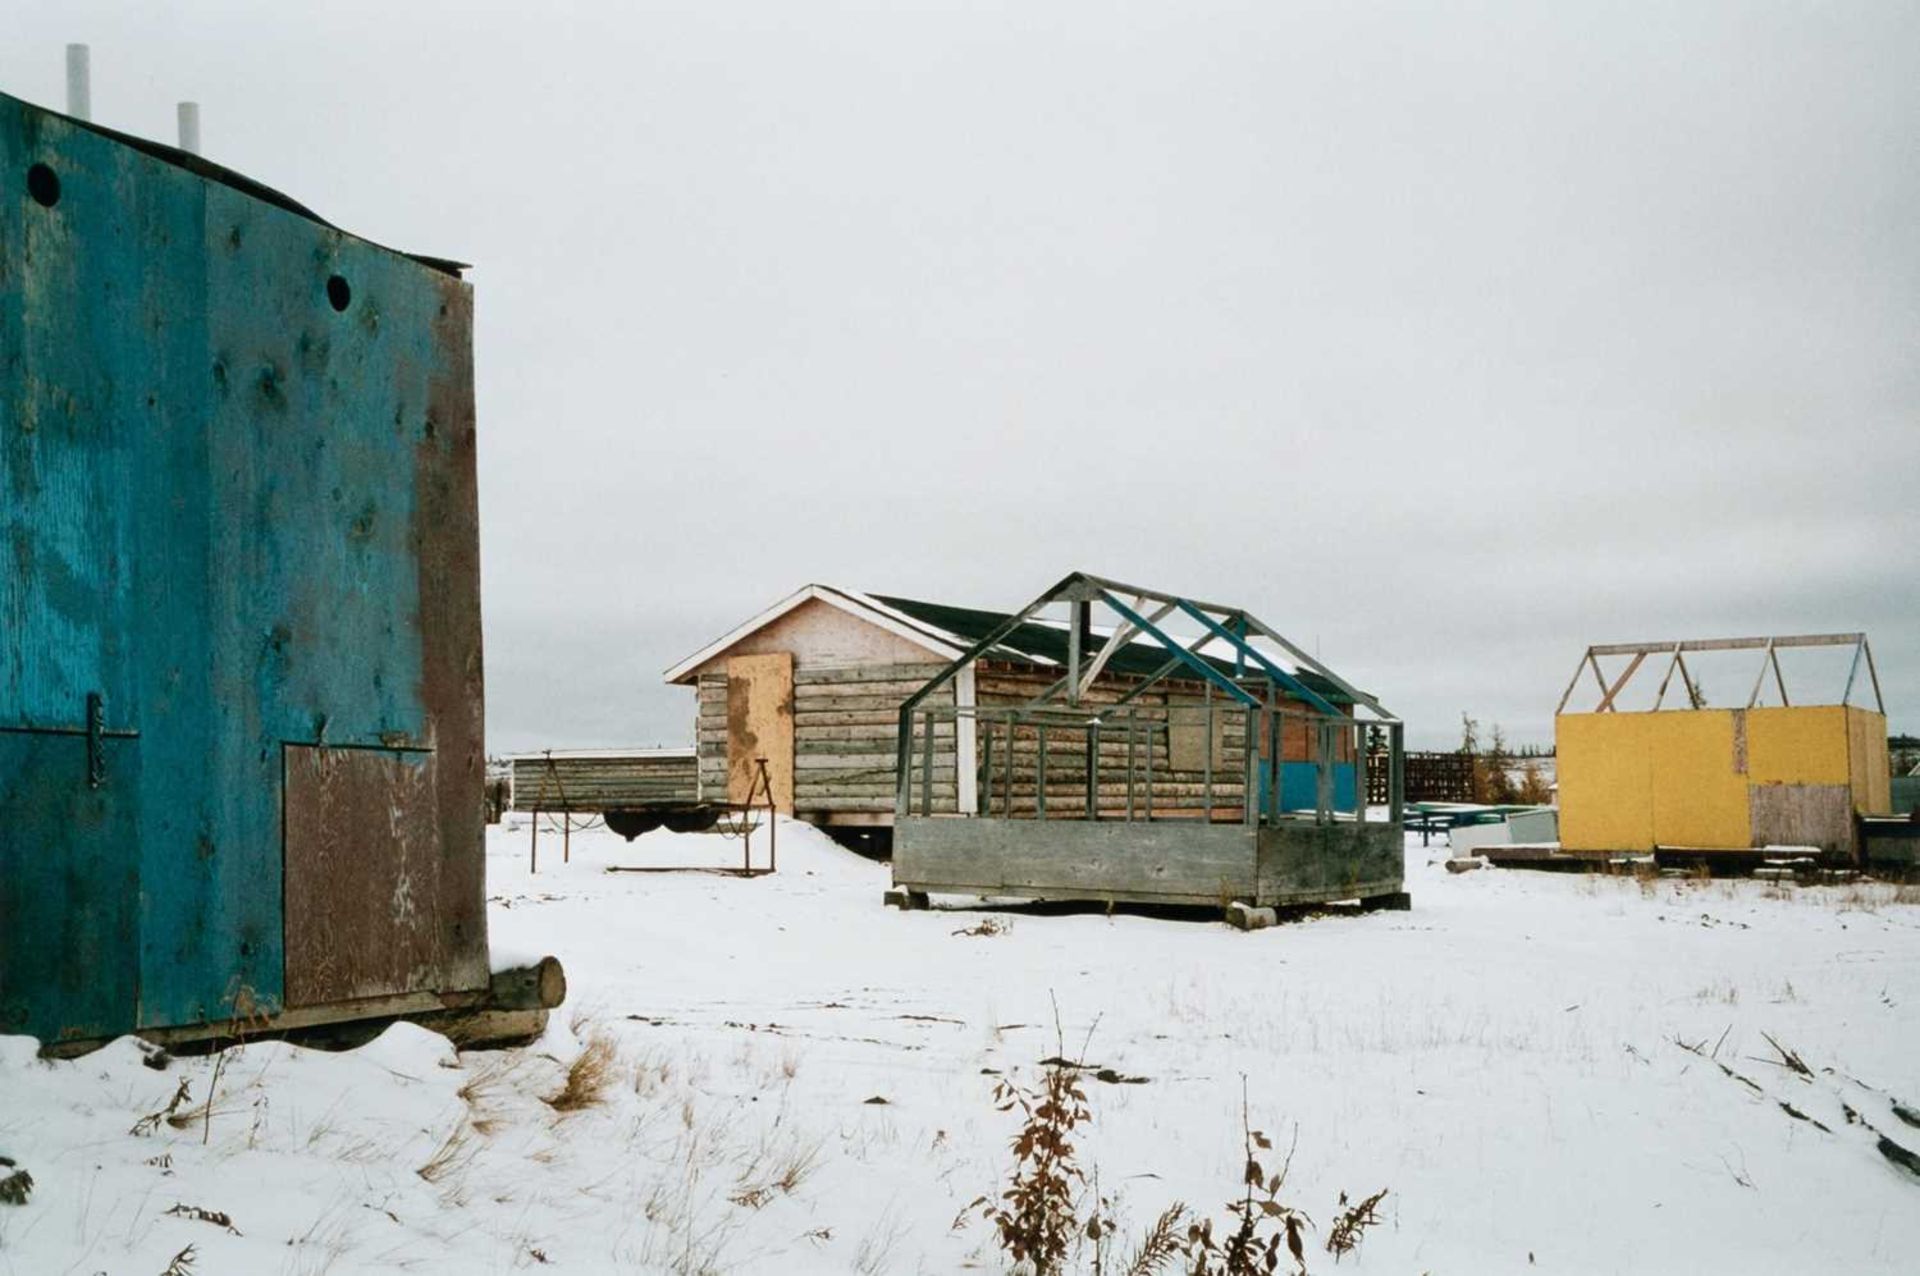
(1606, 783)
(1868, 766)
(1699, 767)
(1803, 815)
(1806, 745)
(760, 725)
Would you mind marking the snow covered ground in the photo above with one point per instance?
(799, 1080)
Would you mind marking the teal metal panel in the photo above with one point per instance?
(67, 888)
(239, 507)
(1300, 786)
(67, 451)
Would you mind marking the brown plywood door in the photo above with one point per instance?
(760, 725)
(364, 867)
(1803, 815)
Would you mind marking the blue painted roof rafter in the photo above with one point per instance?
(1191, 659)
(1242, 647)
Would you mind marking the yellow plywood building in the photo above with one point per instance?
(1696, 778)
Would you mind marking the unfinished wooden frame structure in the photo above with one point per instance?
(1697, 781)
(1075, 800)
(1676, 653)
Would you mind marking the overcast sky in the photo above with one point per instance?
(1447, 341)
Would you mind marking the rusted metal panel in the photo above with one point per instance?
(364, 876)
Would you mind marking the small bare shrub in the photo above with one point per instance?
(587, 1077)
(1261, 1222)
(1160, 1244)
(180, 1264)
(1351, 1223)
(1039, 1223)
(1036, 1216)
(151, 1121)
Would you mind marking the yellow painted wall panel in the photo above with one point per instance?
(1798, 746)
(1606, 796)
(1699, 792)
(1868, 763)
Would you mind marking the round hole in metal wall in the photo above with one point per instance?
(44, 185)
(339, 292)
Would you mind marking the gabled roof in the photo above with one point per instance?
(852, 601)
(1087, 597)
(1047, 643)
(948, 632)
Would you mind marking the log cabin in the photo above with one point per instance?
(815, 682)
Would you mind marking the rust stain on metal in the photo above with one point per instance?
(447, 530)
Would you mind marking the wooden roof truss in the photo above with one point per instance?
(1676, 662)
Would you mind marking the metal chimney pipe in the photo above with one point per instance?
(189, 118)
(79, 83)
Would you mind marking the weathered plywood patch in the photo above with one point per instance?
(760, 725)
(365, 888)
(1803, 815)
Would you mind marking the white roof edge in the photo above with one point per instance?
(931, 636)
(852, 602)
(537, 755)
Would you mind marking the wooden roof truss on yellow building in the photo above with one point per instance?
(1769, 649)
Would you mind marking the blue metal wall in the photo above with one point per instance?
(1300, 786)
(245, 520)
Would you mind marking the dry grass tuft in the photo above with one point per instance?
(453, 1153)
(587, 1077)
(482, 1088)
(654, 1073)
(801, 1160)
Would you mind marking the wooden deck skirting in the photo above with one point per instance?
(1159, 861)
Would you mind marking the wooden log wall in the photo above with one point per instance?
(710, 741)
(845, 735)
(1176, 790)
(1178, 783)
(846, 724)
(596, 783)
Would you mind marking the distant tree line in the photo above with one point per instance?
(1502, 775)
